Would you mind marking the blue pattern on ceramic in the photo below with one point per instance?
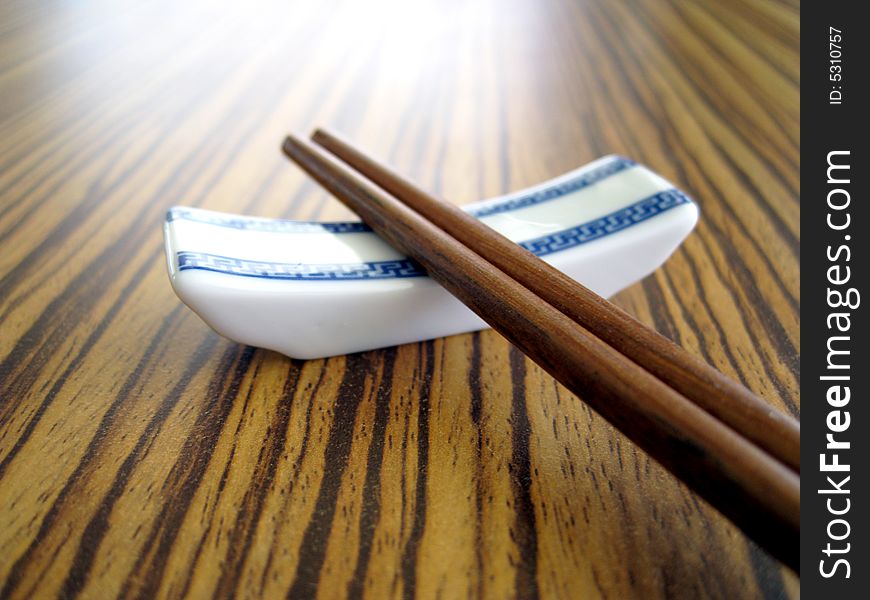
(606, 225)
(613, 167)
(498, 206)
(267, 225)
(394, 269)
(384, 269)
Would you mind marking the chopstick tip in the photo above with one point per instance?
(291, 144)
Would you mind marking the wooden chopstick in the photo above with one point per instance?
(756, 491)
(727, 400)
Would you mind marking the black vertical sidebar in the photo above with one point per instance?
(835, 368)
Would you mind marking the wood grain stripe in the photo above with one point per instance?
(523, 530)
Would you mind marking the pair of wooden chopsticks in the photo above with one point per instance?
(729, 446)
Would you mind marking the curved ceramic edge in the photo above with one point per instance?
(610, 232)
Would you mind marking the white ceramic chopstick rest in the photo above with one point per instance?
(311, 290)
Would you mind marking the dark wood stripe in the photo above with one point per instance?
(371, 493)
(630, 52)
(727, 247)
(121, 129)
(184, 480)
(398, 577)
(780, 31)
(98, 525)
(689, 319)
(699, 81)
(788, 237)
(737, 261)
(304, 444)
(475, 384)
(425, 374)
(105, 266)
(745, 273)
(759, 49)
(313, 548)
(15, 392)
(58, 237)
(524, 530)
(721, 336)
(206, 150)
(96, 444)
(662, 319)
(786, 352)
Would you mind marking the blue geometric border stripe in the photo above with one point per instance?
(395, 269)
(268, 225)
(385, 269)
(498, 206)
(606, 170)
(606, 225)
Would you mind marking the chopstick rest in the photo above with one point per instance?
(310, 289)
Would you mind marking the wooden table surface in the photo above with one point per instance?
(142, 455)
